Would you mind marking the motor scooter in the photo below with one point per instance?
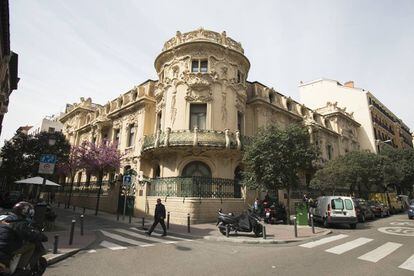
(246, 222)
(35, 265)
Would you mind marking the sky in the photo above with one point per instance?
(103, 48)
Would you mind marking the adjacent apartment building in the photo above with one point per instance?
(379, 126)
(8, 62)
(185, 132)
(48, 124)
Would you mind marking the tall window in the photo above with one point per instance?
(240, 122)
(198, 116)
(240, 77)
(199, 66)
(159, 117)
(131, 135)
(116, 137)
(329, 151)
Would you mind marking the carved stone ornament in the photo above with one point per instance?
(199, 81)
(199, 96)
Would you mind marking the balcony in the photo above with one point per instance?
(196, 186)
(196, 138)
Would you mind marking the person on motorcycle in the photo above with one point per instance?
(17, 236)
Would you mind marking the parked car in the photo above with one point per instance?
(411, 211)
(362, 210)
(379, 209)
(334, 210)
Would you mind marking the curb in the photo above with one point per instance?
(61, 257)
(262, 241)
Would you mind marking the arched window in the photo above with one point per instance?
(196, 168)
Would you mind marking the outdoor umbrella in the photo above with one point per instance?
(37, 181)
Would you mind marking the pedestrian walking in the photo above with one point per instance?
(159, 217)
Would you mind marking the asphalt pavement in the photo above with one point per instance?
(381, 247)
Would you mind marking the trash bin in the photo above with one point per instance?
(301, 213)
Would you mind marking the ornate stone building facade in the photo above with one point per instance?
(185, 131)
(8, 62)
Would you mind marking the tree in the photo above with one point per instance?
(398, 167)
(17, 159)
(70, 167)
(98, 160)
(275, 157)
(22, 153)
(356, 171)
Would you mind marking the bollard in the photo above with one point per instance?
(117, 215)
(295, 226)
(55, 244)
(130, 218)
(74, 208)
(264, 232)
(72, 229)
(143, 222)
(81, 225)
(227, 230)
(188, 222)
(84, 209)
(168, 220)
(313, 226)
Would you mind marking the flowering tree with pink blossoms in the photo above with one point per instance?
(70, 167)
(98, 160)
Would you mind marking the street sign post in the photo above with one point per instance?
(128, 188)
(46, 166)
(47, 163)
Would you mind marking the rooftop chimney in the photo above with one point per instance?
(349, 84)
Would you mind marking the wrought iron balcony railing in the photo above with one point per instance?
(208, 138)
(203, 187)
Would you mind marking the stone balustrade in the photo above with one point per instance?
(195, 138)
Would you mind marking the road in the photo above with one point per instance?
(381, 247)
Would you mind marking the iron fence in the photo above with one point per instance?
(196, 186)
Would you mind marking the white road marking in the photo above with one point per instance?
(380, 252)
(171, 237)
(408, 264)
(126, 240)
(348, 246)
(323, 241)
(134, 234)
(112, 246)
(92, 251)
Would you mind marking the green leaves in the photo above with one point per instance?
(365, 172)
(21, 154)
(275, 157)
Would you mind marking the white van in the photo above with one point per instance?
(334, 210)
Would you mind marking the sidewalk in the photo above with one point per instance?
(275, 234)
(62, 230)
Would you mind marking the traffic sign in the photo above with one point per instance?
(127, 180)
(46, 168)
(48, 158)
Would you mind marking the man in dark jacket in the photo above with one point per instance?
(158, 218)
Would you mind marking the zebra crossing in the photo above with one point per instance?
(120, 239)
(372, 256)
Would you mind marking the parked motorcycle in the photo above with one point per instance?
(246, 222)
